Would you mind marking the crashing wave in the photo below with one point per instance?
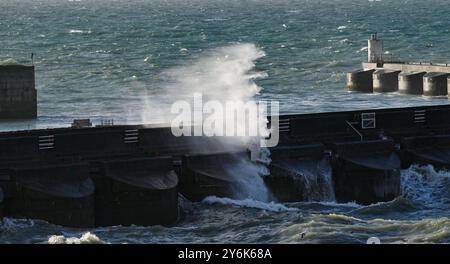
(272, 206)
(86, 238)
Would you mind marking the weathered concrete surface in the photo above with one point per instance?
(136, 191)
(90, 144)
(360, 81)
(1, 204)
(411, 82)
(435, 84)
(448, 86)
(211, 174)
(415, 78)
(408, 67)
(426, 150)
(299, 173)
(18, 97)
(60, 194)
(375, 49)
(385, 81)
(366, 171)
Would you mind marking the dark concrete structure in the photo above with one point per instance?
(1, 204)
(366, 172)
(140, 191)
(385, 81)
(129, 174)
(210, 174)
(60, 194)
(360, 81)
(297, 173)
(411, 82)
(17, 92)
(425, 150)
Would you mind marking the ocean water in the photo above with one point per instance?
(129, 60)
(104, 59)
(420, 215)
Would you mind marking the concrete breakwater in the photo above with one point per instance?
(18, 96)
(382, 74)
(100, 176)
(416, 79)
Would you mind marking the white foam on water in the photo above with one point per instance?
(326, 182)
(12, 223)
(8, 61)
(315, 182)
(425, 184)
(86, 238)
(250, 203)
(363, 49)
(79, 31)
(336, 204)
(249, 177)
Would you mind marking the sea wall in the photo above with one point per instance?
(17, 92)
(40, 167)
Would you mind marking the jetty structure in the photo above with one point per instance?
(18, 96)
(85, 176)
(89, 175)
(381, 73)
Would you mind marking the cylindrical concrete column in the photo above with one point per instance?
(1, 204)
(360, 81)
(448, 85)
(385, 81)
(410, 82)
(435, 84)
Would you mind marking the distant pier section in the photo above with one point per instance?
(384, 74)
(17, 92)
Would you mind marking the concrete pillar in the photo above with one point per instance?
(448, 86)
(410, 82)
(17, 92)
(366, 171)
(385, 81)
(435, 84)
(1, 204)
(61, 194)
(137, 191)
(360, 81)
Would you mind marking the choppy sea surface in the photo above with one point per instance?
(126, 60)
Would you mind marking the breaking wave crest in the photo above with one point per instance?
(426, 185)
(250, 203)
(86, 238)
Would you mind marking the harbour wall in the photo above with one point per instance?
(110, 175)
(18, 96)
(406, 78)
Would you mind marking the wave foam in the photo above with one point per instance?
(86, 238)
(272, 206)
(78, 31)
(11, 223)
(425, 184)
